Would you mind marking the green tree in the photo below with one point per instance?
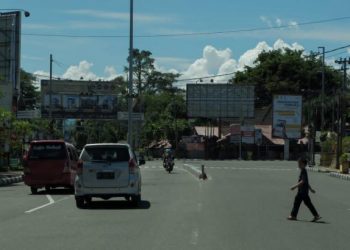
(146, 77)
(291, 72)
(143, 66)
(30, 95)
(165, 118)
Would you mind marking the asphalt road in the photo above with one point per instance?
(242, 205)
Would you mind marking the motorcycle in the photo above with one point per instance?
(168, 164)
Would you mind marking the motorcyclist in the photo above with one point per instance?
(168, 154)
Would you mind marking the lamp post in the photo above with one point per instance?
(26, 13)
(130, 87)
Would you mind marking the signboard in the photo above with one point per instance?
(235, 131)
(10, 40)
(235, 139)
(220, 100)
(79, 99)
(248, 134)
(28, 114)
(124, 116)
(287, 115)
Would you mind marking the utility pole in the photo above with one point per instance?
(344, 63)
(322, 95)
(130, 94)
(50, 88)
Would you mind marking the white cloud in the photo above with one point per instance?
(279, 22)
(84, 71)
(293, 24)
(266, 20)
(111, 73)
(212, 61)
(248, 58)
(221, 62)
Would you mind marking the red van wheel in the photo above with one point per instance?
(34, 190)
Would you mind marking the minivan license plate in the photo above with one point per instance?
(105, 175)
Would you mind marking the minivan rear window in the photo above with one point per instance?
(112, 154)
(47, 151)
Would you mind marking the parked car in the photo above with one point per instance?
(107, 170)
(50, 163)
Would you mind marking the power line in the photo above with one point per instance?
(192, 33)
(204, 77)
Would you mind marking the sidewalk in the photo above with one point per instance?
(10, 177)
(331, 171)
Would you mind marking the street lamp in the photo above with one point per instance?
(26, 13)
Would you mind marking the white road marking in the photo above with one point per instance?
(199, 207)
(251, 168)
(51, 201)
(194, 237)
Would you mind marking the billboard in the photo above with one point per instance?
(287, 116)
(10, 30)
(79, 99)
(220, 101)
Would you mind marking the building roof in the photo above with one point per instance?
(266, 130)
(206, 131)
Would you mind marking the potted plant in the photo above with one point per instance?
(344, 163)
(327, 153)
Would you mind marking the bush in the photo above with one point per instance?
(328, 146)
(343, 158)
(346, 144)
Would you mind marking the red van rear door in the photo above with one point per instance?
(46, 161)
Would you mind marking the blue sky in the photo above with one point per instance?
(190, 55)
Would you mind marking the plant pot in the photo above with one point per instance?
(344, 167)
(326, 159)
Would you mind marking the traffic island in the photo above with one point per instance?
(6, 180)
(197, 172)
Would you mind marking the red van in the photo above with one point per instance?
(49, 164)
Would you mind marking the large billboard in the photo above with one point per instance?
(10, 28)
(287, 116)
(220, 101)
(79, 99)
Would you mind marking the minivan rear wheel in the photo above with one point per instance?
(88, 201)
(79, 201)
(34, 190)
(135, 199)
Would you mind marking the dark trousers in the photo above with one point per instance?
(307, 201)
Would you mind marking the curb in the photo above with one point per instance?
(318, 169)
(5, 181)
(340, 176)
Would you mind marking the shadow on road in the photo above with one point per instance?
(55, 191)
(117, 205)
(316, 222)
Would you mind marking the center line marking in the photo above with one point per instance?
(51, 201)
(194, 237)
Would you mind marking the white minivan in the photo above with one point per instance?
(107, 170)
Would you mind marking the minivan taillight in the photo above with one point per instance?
(26, 169)
(132, 166)
(80, 167)
(66, 167)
